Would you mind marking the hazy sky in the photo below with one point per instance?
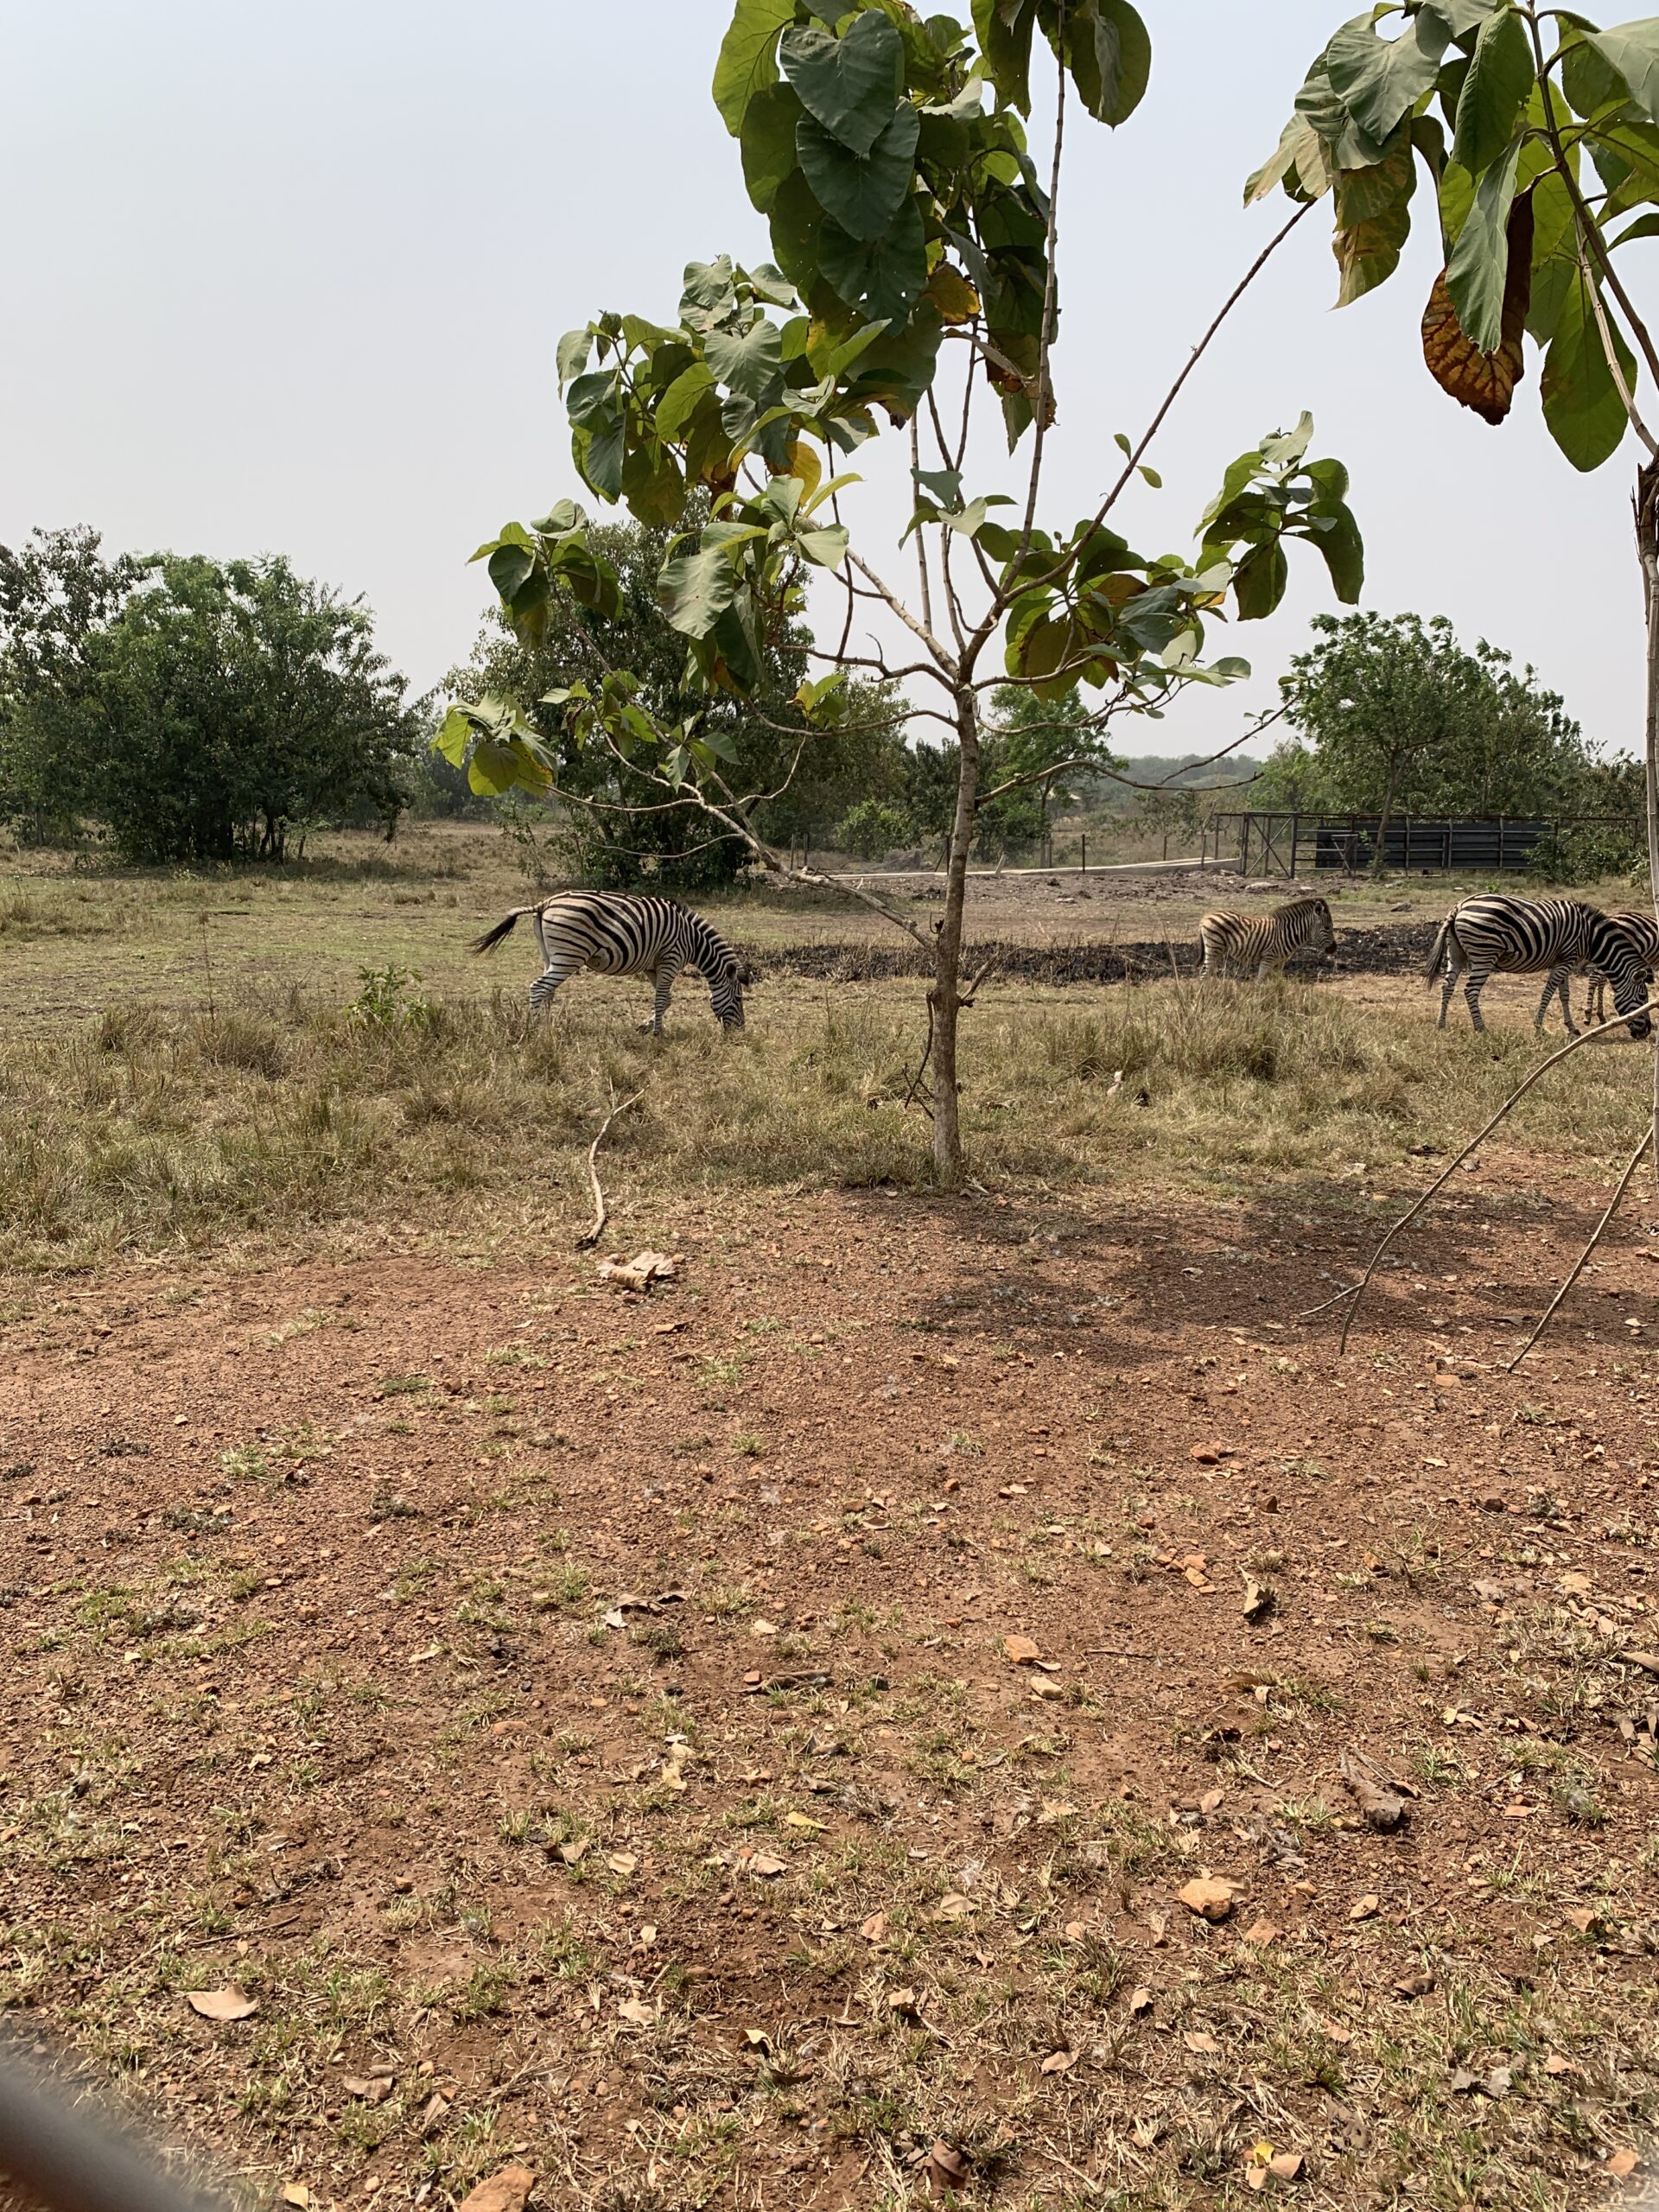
(290, 278)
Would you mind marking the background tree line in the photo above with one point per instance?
(200, 710)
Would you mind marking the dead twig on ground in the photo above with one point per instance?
(590, 1236)
(1596, 1236)
(1356, 1291)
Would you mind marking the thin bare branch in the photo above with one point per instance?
(977, 643)
(591, 1235)
(1578, 1265)
(921, 535)
(896, 605)
(1356, 1291)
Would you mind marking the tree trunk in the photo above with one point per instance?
(1387, 814)
(1647, 541)
(945, 997)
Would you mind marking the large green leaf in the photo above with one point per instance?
(748, 56)
(1460, 16)
(695, 589)
(850, 85)
(1582, 406)
(748, 361)
(1259, 580)
(768, 143)
(1337, 536)
(1373, 211)
(863, 191)
(1004, 30)
(796, 230)
(1632, 49)
(679, 402)
(1495, 88)
(652, 486)
(1476, 272)
(1380, 80)
(883, 277)
(1110, 54)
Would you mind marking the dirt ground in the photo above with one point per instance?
(582, 1728)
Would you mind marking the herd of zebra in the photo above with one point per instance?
(626, 934)
(1557, 939)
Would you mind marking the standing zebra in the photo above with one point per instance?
(618, 933)
(1643, 930)
(1265, 941)
(1520, 937)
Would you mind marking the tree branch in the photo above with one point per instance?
(896, 605)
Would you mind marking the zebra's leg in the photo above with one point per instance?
(662, 978)
(1471, 991)
(1448, 985)
(1559, 982)
(545, 986)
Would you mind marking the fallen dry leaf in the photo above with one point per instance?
(901, 2000)
(1378, 1799)
(953, 1906)
(1259, 1600)
(1199, 2039)
(1621, 2163)
(574, 1853)
(295, 2192)
(635, 2011)
(621, 1862)
(372, 2088)
(1366, 1908)
(874, 1929)
(1052, 1811)
(1059, 2061)
(1020, 1651)
(231, 2004)
(763, 1863)
(1209, 1897)
(1286, 2164)
(946, 2168)
(1336, 2032)
(803, 1822)
(1414, 1985)
(506, 2192)
(638, 1273)
(1140, 1999)
(436, 2112)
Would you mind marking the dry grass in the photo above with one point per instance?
(139, 1131)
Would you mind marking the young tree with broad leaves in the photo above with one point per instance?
(913, 284)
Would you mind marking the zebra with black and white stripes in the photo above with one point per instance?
(1265, 942)
(1524, 937)
(626, 933)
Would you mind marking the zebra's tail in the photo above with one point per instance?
(1435, 958)
(491, 938)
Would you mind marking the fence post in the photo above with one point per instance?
(1083, 865)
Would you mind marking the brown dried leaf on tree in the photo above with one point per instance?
(1485, 382)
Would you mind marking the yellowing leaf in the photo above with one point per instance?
(952, 294)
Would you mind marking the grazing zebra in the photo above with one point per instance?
(1643, 930)
(1520, 937)
(1265, 941)
(618, 933)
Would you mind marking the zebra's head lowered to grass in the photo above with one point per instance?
(727, 983)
